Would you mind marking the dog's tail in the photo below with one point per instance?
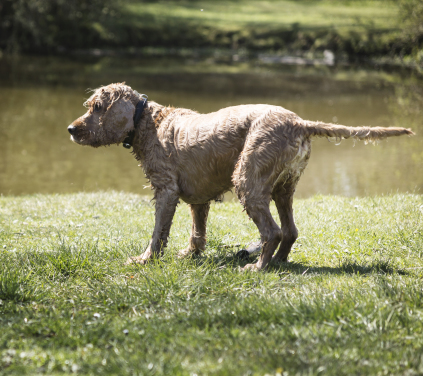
(319, 129)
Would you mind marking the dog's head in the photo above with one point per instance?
(109, 117)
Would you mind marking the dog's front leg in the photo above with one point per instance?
(197, 240)
(166, 201)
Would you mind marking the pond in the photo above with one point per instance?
(41, 96)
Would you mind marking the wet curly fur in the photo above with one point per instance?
(260, 150)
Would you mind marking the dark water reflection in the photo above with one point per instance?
(39, 97)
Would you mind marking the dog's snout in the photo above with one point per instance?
(71, 129)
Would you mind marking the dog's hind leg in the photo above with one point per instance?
(166, 202)
(255, 195)
(197, 240)
(270, 233)
(253, 186)
(283, 197)
(283, 193)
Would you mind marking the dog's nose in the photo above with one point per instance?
(71, 129)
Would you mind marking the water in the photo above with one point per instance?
(40, 97)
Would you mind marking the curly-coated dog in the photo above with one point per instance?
(259, 149)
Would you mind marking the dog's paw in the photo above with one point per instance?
(184, 253)
(136, 260)
(277, 260)
(252, 267)
(187, 252)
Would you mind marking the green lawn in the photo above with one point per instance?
(234, 15)
(348, 303)
(355, 30)
(350, 28)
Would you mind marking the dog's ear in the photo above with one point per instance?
(118, 119)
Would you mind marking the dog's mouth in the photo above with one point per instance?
(85, 139)
(83, 136)
(79, 135)
(80, 139)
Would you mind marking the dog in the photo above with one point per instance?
(260, 150)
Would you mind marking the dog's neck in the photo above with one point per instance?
(146, 140)
(139, 109)
(153, 142)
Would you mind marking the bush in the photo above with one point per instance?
(411, 16)
(51, 25)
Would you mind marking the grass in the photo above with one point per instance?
(349, 302)
(350, 28)
(355, 30)
(234, 15)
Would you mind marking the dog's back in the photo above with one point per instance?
(205, 149)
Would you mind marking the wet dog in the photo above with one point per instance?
(260, 150)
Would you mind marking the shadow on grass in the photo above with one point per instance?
(346, 267)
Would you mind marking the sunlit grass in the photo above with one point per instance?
(349, 302)
(350, 28)
(276, 13)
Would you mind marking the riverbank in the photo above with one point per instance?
(349, 302)
(354, 31)
(344, 28)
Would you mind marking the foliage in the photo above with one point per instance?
(349, 302)
(49, 25)
(411, 15)
(354, 28)
(411, 12)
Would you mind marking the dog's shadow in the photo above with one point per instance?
(380, 267)
(346, 267)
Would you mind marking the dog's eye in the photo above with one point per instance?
(97, 107)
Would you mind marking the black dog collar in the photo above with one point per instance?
(127, 142)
